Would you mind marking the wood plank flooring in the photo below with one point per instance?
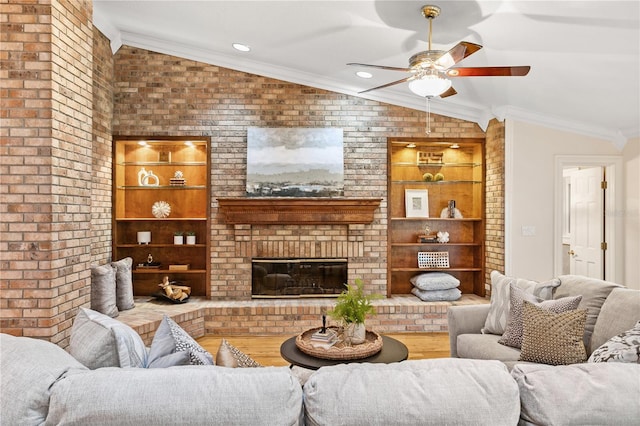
(266, 349)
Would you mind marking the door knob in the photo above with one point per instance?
(572, 253)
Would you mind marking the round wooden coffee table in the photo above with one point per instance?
(392, 351)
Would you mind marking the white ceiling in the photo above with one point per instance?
(584, 55)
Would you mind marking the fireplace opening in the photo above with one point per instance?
(291, 278)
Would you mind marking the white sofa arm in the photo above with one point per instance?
(466, 319)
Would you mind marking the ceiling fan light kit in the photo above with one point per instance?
(429, 85)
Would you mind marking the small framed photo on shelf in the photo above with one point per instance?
(416, 202)
(164, 156)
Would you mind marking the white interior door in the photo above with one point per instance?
(587, 223)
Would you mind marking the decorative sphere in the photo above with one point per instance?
(427, 177)
(438, 177)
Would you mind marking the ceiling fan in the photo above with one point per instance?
(431, 69)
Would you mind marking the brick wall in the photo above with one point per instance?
(46, 94)
(494, 214)
(102, 156)
(160, 95)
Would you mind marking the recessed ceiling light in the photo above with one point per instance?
(364, 74)
(241, 47)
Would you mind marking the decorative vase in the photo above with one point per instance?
(178, 239)
(191, 239)
(355, 333)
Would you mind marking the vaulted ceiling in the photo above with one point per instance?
(584, 55)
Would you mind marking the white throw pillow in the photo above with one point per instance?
(434, 281)
(437, 295)
(496, 321)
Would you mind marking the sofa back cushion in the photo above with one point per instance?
(593, 291)
(418, 392)
(29, 368)
(619, 313)
(578, 394)
(184, 395)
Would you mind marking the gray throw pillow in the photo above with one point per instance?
(437, 295)
(100, 341)
(434, 281)
(103, 290)
(513, 334)
(625, 347)
(124, 284)
(230, 356)
(170, 339)
(499, 307)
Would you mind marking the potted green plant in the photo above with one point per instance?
(178, 237)
(191, 237)
(351, 309)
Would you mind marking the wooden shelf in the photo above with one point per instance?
(264, 211)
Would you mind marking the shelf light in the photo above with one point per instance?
(411, 145)
(454, 146)
(188, 143)
(142, 143)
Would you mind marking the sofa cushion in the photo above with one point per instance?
(551, 338)
(513, 334)
(186, 395)
(230, 356)
(579, 394)
(103, 290)
(28, 369)
(434, 281)
(485, 346)
(437, 295)
(124, 284)
(170, 339)
(496, 321)
(618, 314)
(425, 392)
(625, 347)
(100, 341)
(594, 292)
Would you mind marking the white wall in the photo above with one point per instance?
(631, 158)
(530, 155)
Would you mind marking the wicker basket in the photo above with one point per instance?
(433, 259)
(340, 350)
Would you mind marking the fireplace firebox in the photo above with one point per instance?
(296, 277)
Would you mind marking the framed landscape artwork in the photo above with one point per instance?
(295, 162)
(416, 202)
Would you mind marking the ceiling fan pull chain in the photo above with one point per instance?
(428, 127)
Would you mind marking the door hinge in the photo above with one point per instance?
(603, 245)
(603, 184)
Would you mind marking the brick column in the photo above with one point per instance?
(46, 92)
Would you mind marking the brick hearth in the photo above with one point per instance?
(285, 317)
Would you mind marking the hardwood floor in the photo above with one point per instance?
(266, 349)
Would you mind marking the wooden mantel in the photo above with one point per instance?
(306, 211)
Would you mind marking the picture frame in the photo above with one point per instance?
(416, 202)
(164, 156)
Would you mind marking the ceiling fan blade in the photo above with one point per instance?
(411, 77)
(488, 71)
(381, 67)
(458, 53)
(450, 92)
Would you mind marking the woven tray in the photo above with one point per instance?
(340, 351)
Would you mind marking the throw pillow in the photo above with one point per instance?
(103, 290)
(496, 321)
(434, 281)
(625, 347)
(230, 356)
(170, 339)
(513, 334)
(550, 338)
(124, 284)
(100, 341)
(437, 295)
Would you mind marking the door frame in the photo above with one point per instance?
(613, 210)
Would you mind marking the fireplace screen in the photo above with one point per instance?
(286, 278)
